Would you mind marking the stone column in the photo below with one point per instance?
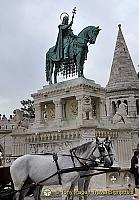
(43, 111)
(63, 109)
(38, 113)
(109, 109)
(132, 106)
(58, 111)
(102, 109)
(80, 111)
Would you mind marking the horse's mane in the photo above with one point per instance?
(88, 27)
(82, 148)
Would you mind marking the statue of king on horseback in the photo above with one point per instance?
(70, 52)
(65, 37)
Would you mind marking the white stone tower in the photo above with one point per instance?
(123, 84)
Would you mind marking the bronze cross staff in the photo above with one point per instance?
(73, 12)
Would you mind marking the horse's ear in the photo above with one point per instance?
(99, 29)
(97, 139)
(107, 137)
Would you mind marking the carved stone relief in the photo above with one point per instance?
(71, 109)
(87, 107)
(50, 111)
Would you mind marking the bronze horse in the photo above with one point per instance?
(78, 50)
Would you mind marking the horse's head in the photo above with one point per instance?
(101, 152)
(92, 34)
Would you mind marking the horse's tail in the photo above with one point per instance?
(47, 67)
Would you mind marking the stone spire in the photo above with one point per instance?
(123, 75)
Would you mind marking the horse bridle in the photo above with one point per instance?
(84, 44)
(108, 144)
(100, 148)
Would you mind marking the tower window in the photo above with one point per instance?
(113, 108)
(118, 103)
(137, 106)
(125, 101)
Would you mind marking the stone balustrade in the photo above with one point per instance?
(52, 137)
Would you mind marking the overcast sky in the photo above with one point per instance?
(28, 28)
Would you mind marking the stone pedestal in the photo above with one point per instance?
(67, 98)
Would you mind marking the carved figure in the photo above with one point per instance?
(87, 107)
(65, 37)
(19, 119)
(121, 114)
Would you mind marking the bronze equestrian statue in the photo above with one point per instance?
(70, 52)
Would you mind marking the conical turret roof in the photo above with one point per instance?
(123, 75)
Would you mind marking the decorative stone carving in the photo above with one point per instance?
(20, 120)
(121, 114)
(74, 108)
(50, 111)
(71, 109)
(87, 107)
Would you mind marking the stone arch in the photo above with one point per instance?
(113, 108)
(137, 106)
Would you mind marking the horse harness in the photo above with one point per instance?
(73, 156)
(108, 144)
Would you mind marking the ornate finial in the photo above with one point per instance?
(119, 25)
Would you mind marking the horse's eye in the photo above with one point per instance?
(102, 149)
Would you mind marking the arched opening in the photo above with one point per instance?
(118, 103)
(125, 101)
(113, 108)
(137, 106)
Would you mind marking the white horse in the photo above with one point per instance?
(83, 183)
(39, 167)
